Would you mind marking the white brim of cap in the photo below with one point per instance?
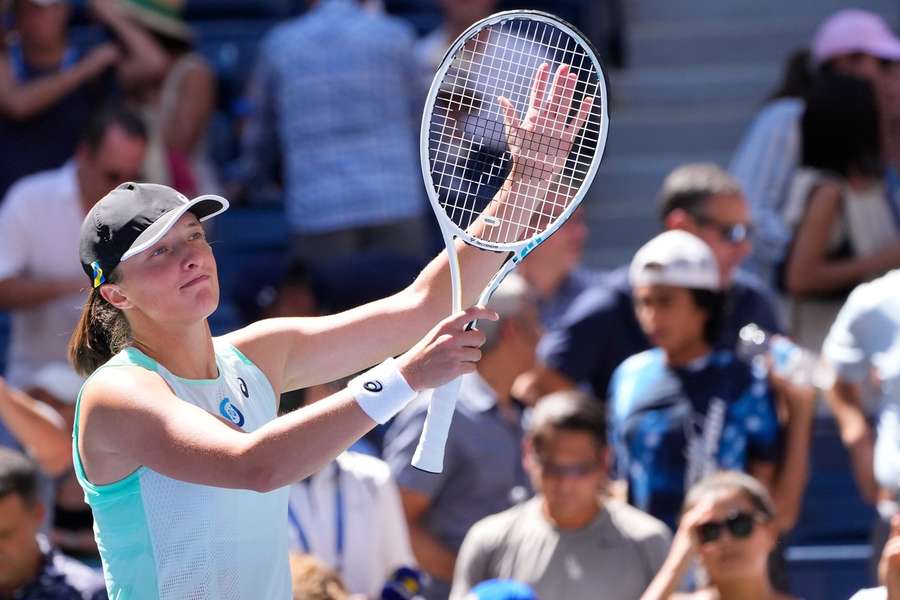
(162, 225)
(698, 281)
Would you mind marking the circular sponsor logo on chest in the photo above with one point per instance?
(231, 412)
(373, 386)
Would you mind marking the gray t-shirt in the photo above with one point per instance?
(613, 558)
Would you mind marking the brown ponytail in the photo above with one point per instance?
(102, 331)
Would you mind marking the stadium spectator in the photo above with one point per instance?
(176, 103)
(851, 41)
(482, 466)
(701, 199)
(729, 524)
(569, 541)
(40, 223)
(863, 346)
(49, 90)
(312, 579)
(683, 409)
(338, 91)
(457, 16)
(845, 230)
(888, 569)
(30, 568)
(349, 516)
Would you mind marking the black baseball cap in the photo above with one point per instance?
(130, 219)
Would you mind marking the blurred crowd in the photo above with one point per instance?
(641, 432)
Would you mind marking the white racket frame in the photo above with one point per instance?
(429, 454)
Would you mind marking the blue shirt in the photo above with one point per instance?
(338, 92)
(62, 578)
(672, 427)
(600, 329)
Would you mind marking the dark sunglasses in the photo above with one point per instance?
(574, 471)
(736, 233)
(740, 525)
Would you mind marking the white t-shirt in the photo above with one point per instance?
(40, 223)
(865, 336)
(375, 538)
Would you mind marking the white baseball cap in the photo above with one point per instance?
(676, 258)
(854, 30)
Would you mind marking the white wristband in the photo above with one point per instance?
(382, 391)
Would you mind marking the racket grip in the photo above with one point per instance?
(429, 455)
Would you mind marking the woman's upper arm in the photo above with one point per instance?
(812, 236)
(196, 100)
(298, 352)
(129, 417)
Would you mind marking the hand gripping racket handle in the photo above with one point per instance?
(429, 455)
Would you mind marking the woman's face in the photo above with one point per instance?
(730, 555)
(669, 317)
(173, 281)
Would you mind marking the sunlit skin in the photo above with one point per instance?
(19, 553)
(672, 321)
(173, 283)
(570, 501)
(733, 563)
(118, 159)
(718, 212)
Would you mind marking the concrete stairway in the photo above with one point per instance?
(698, 71)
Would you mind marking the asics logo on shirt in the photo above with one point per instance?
(243, 385)
(231, 412)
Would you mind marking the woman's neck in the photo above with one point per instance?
(185, 351)
(755, 588)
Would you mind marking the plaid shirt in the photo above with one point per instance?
(339, 91)
(62, 578)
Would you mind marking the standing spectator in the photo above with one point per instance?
(729, 523)
(701, 199)
(29, 568)
(39, 282)
(568, 541)
(349, 516)
(49, 90)
(682, 410)
(851, 41)
(338, 88)
(457, 16)
(863, 346)
(482, 464)
(177, 103)
(845, 230)
(888, 569)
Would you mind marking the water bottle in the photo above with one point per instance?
(788, 360)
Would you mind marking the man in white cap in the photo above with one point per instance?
(852, 42)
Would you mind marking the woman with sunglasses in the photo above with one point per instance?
(728, 523)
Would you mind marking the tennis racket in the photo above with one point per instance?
(513, 130)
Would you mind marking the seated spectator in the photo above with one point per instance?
(851, 41)
(39, 282)
(701, 199)
(29, 567)
(338, 206)
(311, 579)
(483, 459)
(888, 569)
(49, 89)
(844, 228)
(177, 103)
(728, 522)
(349, 516)
(568, 541)
(683, 410)
(863, 346)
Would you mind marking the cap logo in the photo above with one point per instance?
(99, 278)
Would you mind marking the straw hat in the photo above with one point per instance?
(161, 16)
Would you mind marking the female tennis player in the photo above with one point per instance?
(176, 443)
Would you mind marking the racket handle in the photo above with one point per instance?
(429, 455)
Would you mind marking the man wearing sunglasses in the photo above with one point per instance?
(569, 541)
(701, 199)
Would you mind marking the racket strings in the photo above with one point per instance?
(469, 143)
